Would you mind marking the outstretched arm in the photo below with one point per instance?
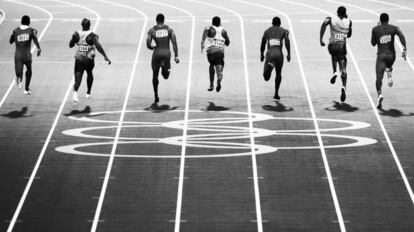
(287, 45)
(350, 29)
(175, 47)
(36, 42)
(100, 48)
(325, 23)
(402, 39)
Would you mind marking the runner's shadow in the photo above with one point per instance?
(342, 107)
(394, 113)
(18, 114)
(155, 108)
(212, 107)
(278, 108)
(77, 112)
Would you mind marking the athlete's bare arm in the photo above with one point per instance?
(203, 38)
(287, 45)
(402, 39)
(350, 29)
(373, 37)
(36, 42)
(99, 47)
(226, 38)
(74, 39)
(325, 24)
(12, 38)
(149, 40)
(175, 47)
(263, 47)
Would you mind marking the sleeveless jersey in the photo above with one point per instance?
(274, 36)
(23, 37)
(339, 30)
(83, 49)
(216, 42)
(161, 36)
(384, 36)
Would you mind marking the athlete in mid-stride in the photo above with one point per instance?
(162, 35)
(85, 42)
(273, 37)
(214, 39)
(383, 36)
(341, 29)
(23, 36)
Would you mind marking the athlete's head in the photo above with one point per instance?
(216, 21)
(384, 18)
(276, 21)
(26, 20)
(342, 12)
(160, 18)
(86, 24)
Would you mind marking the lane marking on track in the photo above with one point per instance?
(3, 16)
(45, 145)
(387, 138)
(33, 48)
(249, 111)
(121, 119)
(316, 125)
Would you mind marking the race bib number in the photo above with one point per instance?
(161, 33)
(385, 39)
(218, 43)
(23, 37)
(274, 42)
(340, 37)
(83, 48)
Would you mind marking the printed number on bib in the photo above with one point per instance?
(218, 43)
(161, 33)
(274, 42)
(83, 48)
(340, 37)
(385, 39)
(23, 37)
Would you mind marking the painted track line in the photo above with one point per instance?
(121, 119)
(315, 121)
(186, 112)
(390, 145)
(259, 219)
(34, 47)
(52, 129)
(3, 16)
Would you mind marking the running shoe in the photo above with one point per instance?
(390, 81)
(343, 95)
(218, 87)
(157, 99)
(18, 82)
(379, 102)
(276, 97)
(333, 79)
(75, 98)
(211, 88)
(27, 92)
(88, 95)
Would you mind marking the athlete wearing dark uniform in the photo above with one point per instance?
(85, 42)
(273, 37)
(162, 35)
(23, 37)
(214, 39)
(341, 29)
(383, 36)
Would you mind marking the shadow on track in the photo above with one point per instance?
(15, 114)
(212, 107)
(87, 110)
(155, 108)
(342, 107)
(279, 107)
(394, 113)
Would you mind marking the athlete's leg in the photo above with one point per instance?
(28, 74)
(211, 71)
(268, 68)
(219, 70)
(379, 69)
(389, 61)
(344, 74)
(79, 69)
(18, 68)
(89, 79)
(278, 79)
(155, 71)
(166, 67)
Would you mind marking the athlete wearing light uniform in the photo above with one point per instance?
(23, 37)
(383, 36)
(162, 35)
(214, 39)
(273, 37)
(85, 42)
(341, 29)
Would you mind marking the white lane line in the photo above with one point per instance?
(387, 138)
(249, 112)
(34, 47)
(315, 121)
(119, 127)
(3, 16)
(186, 112)
(52, 129)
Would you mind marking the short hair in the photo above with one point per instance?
(216, 21)
(160, 18)
(26, 20)
(341, 11)
(86, 24)
(276, 21)
(384, 18)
